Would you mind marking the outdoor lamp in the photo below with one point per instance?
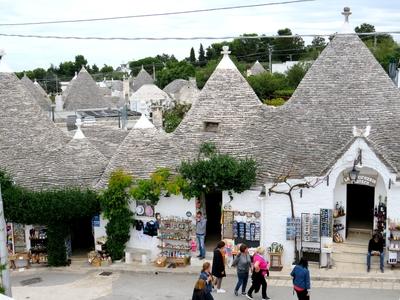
(353, 174)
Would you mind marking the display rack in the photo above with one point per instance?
(394, 246)
(38, 240)
(311, 237)
(175, 240)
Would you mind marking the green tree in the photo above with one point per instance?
(106, 69)
(286, 48)
(202, 74)
(202, 56)
(80, 61)
(296, 73)
(192, 57)
(265, 84)
(174, 116)
(67, 69)
(174, 70)
(95, 69)
(159, 62)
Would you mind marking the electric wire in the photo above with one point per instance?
(187, 38)
(156, 14)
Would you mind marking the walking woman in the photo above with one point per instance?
(301, 280)
(242, 262)
(199, 292)
(218, 265)
(207, 277)
(260, 270)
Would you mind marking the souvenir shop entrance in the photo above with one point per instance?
(360, 207)
(82, 239)
(213, 203)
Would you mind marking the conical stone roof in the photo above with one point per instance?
(141, 79)
(345, 87)
(84, 93)
(34, 151)
(40, 97)
(257, 69)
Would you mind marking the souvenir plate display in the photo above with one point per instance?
(326, 222)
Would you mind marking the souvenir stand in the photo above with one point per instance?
(339, 219)
(326, 237)
(394, 243)
(17, 246)
(38, 239)
(175, 241)
(246, 228)
(311, 237)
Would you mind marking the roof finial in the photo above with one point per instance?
(346, 13)
(225, 50)
(79, 134)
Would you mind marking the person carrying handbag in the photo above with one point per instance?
(301, 280)
(242, 262)
(260, 270)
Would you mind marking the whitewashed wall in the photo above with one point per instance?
(167, 206)
(276, 208)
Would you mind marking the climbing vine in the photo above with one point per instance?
(54, 208)
(115, 208)
(213, 171)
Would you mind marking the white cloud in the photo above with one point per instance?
(321, 16)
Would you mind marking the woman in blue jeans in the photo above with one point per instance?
(242, 262)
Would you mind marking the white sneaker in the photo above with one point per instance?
(221, 291)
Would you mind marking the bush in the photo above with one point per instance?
(275, 101)
(115, 207)
(285, 94)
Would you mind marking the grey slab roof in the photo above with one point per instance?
(40, 88)
(142, 78)
(36, 91)
(105, 138)
(175, 86)
(83, 93)
(34, 151)
(345, 87)
(257, 68)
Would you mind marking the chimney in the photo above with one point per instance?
(59, 103)
(154, 72)
(125, 89)
(192, 81)
(157, 116)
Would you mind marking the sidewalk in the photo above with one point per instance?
(391, 277)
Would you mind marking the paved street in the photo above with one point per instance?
(83, 285)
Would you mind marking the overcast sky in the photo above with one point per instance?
(320, 17)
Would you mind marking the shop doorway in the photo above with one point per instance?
(360, 207)
(213, 202)
(82, 240)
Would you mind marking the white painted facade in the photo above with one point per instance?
(275, 208)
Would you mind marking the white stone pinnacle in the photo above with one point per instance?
(143, 123)
(226, 62)
(79, 134)
(346, 27)
(4, 68)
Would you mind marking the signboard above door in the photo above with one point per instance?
(362, 179)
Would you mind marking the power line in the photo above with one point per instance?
(187, 38)
(156, 14)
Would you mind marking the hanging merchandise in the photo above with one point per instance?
(151, 228)
(139, 225)
(380, 215)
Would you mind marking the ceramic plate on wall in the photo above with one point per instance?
(149, 211)
(140, 210)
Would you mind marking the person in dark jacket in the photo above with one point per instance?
(199, 292)
(375, 247)
(218, 265)
(242, 262)
(301, 280)
(207, 277)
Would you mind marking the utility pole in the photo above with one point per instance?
(270, 58)
(5, 273)
(375, 40)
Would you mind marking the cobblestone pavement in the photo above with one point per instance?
(120, 285)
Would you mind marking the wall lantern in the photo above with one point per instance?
(353, 174)
(390, 183)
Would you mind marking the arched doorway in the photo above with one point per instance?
(360, 200)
